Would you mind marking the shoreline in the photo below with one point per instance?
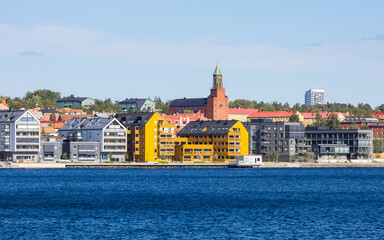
(181, 165)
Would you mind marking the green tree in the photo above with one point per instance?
(269, 156)
(215, 156)
(64, 156)
(297, 157)
(275, 156)
(294, 118)
(353, 126)
(333, 122)
(364, 126)
(335, 155)
(52, 118)
(319, 121)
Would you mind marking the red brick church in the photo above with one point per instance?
(214, 107)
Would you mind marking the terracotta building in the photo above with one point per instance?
(214, 107)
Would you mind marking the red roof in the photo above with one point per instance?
(307, 115)
(4, 102)
(274, 114)
(245, 111)
(191, 116)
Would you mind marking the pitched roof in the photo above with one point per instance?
(91, 123)
(137, 118)
(186, 102)
(67, 117)
(312, 115)
(273, 114)
(70, 99)
(244, 111)
(7, 115)
(139, 101)
(207, 127)
(4, 102)
(217, 70)
(190, 116)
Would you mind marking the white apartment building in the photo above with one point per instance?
(314, 96)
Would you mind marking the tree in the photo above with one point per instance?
(43, 132)
(52, 117)
(335, 155)
(364, 126)
(333, 122)
(297, 157)
(309, 155)
(64, 156)
(110, 156)
(353, 126)
(319, 121)
(294, 118)
(275, 156)
(215, 156)
(126, 156)
(269, 156)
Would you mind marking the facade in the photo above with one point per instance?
(240, 114)
(314, 96)
(285, 138)
(339, 145)
(360, 122)
(377, 129)
(214, 107)
(194, 153)
(83, 151)
(181, 120)
(150, 138)
(228, 138)
(108, 133)
(137, 105)
(19, 136)
(77, 102)
(51, 149)
(3, 105)
(275, 116)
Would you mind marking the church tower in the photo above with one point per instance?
(217, 102)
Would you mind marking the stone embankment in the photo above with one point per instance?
(184, 165)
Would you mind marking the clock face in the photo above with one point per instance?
(221, 106)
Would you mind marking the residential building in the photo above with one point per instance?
(228, 138)
(360, 122)
(51, 149)
(75, 102)
(194, 153)
(267, 136)
(137, 105)
(214, 107)
(378, 115)
(3, 105)
(309, 118)
(240, 114)
(339, 145)
(275, 116)
(85, 152)
(67, 117)
(314, 96)
(181, 120)
(377, 129)
(19, 136)
(109, 134)
(150, 138)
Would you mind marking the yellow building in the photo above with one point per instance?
(276, 116)
(194, 153)
(149, 137)
(240, 114)
(227, 138)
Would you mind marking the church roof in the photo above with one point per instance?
(186, 102)
(217, 70)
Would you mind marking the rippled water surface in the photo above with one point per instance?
(192, 203)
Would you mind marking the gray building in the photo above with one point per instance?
(19, 136)
(336, 145)
(51, 149)
(285, 138)
(73, 102)
(83, 151)
(108, 134)
(314, 96)
(137, 105)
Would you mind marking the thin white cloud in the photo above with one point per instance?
(59, 40)
(31, 53)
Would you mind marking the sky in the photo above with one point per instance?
(267, 50)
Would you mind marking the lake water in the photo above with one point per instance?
(192, 203)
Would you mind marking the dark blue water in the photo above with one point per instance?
(192, 204)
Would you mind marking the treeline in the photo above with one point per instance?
(45, 98)
(361, 110)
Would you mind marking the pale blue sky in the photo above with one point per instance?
(267, 50)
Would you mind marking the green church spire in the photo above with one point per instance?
(217, 70)
(217, 78)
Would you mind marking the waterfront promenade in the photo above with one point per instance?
(183, 165)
